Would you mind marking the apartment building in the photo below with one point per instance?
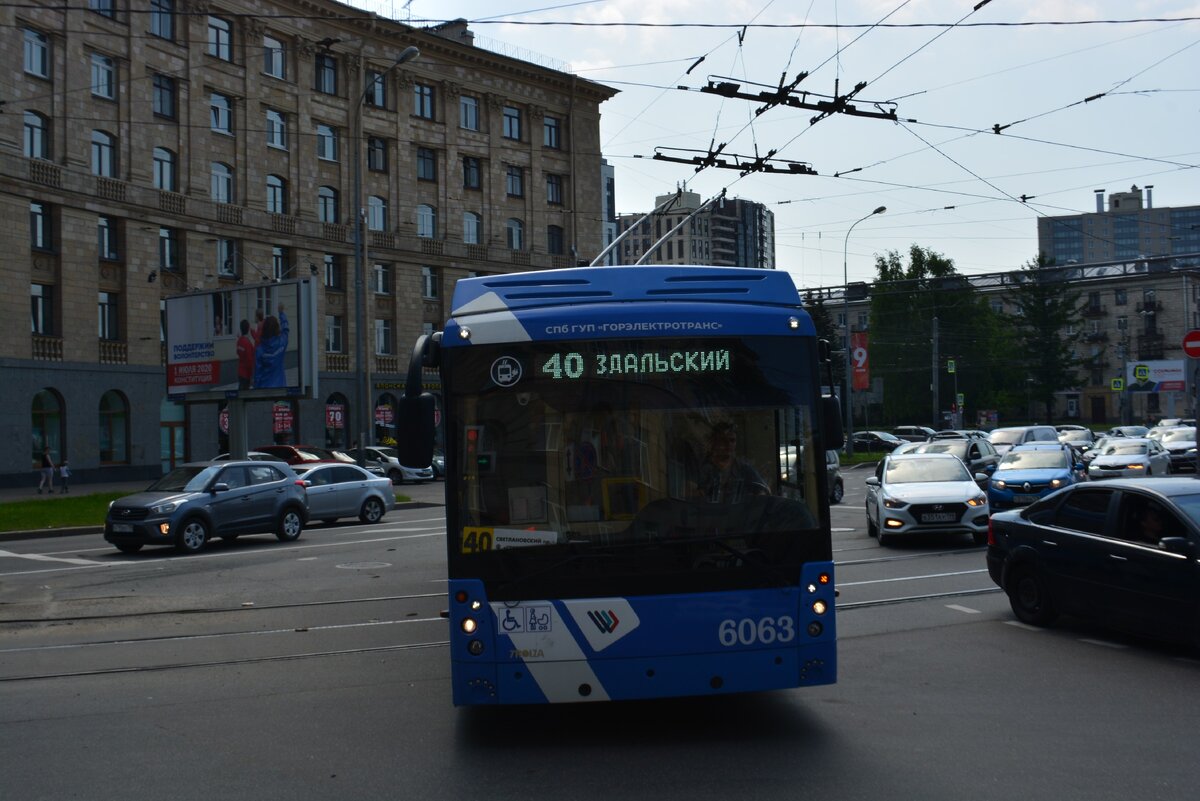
(161, 147)
(731, 232)
(1130, 227)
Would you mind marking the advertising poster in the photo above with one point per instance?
(1166, 375)
(860, 364)
(251, 342)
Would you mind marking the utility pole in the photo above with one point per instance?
(933, 387)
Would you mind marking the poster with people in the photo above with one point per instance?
(241, 342)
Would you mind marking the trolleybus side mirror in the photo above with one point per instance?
(415, 423)
(832, 436)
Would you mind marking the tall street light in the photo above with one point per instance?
(364, 414)
(846, 320)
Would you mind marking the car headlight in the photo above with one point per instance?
(1136, 466)
(1055, 483)
(1000, 483)
(166, 508)
(894, 503)
(978, 500)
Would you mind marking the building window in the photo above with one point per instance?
(276, 129)
(274, 58)
(376, 91)
(220, 39)
(514, 181)
(41, 304)
(105, 8)
(113, 437)
(168, 249)
(471, 173)
(552, 133)
(423, 100)
(554, 189)
(426, 221)
(162, 19)
(468, 113)
(104, 77)
(108, 316)
(515, 233)
(383, 338)
(377, 150)
(37, 136)
(333, 271)
(37, 53)
(471, 228)
(221, 113)
(106, 238)
(1119, 297)
(382, 274)
(326, 74)
(512, 122)
(333, 333)
(276, 195)
(227, 258)
(554, 240)
(426, 164)
(327, 204)
(104, 154)
(222, 182)
(281, 263)
(164, 169)
(376, 213)
(429, 283)
(326, 143)
(163, 96)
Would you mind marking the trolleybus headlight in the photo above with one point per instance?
(819, 607)
(793, 323)
(476, 605)
(475, 647)
(464, 333)
(469, 625)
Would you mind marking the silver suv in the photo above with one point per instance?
(195, 502)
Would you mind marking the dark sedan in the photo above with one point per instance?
(1122, 552)
(875, 441)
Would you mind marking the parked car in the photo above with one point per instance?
(875, 441)
(977, 454)
(1029, 472)
(1004, 438)
(387, 460)
(197, 501)
(1129, 431)
(927, 493)
(346, 490)
(257, 456)
(1123, 553)
(305, 454)
(833, 474)
(439, 463)
(1081, 439)
(913, 433)
(1180, 444)
(1130, 457)
(960, 433)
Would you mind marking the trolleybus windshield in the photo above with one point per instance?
(633, 467)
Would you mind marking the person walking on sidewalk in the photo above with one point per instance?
(64, 473)
(47, 472)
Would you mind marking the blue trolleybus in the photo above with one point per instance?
(635, 480)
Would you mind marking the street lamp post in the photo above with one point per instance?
(846, 322)
(364, 414)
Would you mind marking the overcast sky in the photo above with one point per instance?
(948, 86)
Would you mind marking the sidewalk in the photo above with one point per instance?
(30, 493)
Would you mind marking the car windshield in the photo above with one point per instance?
(189, 478)
(1125, 449)
(1005, 437)
(912, 471)
(958, 448)
(885, 436)
(388, 452)
(1180, 434)
(1033, 460)
(1078, 436)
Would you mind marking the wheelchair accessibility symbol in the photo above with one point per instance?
(526, 619)
(506, 371)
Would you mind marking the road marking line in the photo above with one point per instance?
(37, 557)
(1104, 643)
(1019, 625)
(843, 529)
(912, 578)
(968, 610)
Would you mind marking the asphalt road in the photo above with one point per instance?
(318, 670)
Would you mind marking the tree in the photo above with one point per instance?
(1047, 309)
(823, 322)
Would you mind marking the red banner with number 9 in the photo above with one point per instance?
(859, 361)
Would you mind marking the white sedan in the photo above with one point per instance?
(926, 493)
(1130, 457)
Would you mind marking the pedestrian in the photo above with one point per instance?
(64, 472)
(47, 472)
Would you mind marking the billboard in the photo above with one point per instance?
(1165, 375)
(859, 361)
(257, 342)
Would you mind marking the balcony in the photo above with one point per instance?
(387, 364)
(1095, 310)
(113, 352)
(1150, 307)
(47, 348)
(1150, 346)
(337, 362)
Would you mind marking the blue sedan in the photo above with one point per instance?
(1029, 472)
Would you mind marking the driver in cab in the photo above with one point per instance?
(723, 477)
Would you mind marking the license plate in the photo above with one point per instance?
(939, 517)
(1025, 498)
(123, 528)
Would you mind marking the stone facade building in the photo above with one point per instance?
(156, 147)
